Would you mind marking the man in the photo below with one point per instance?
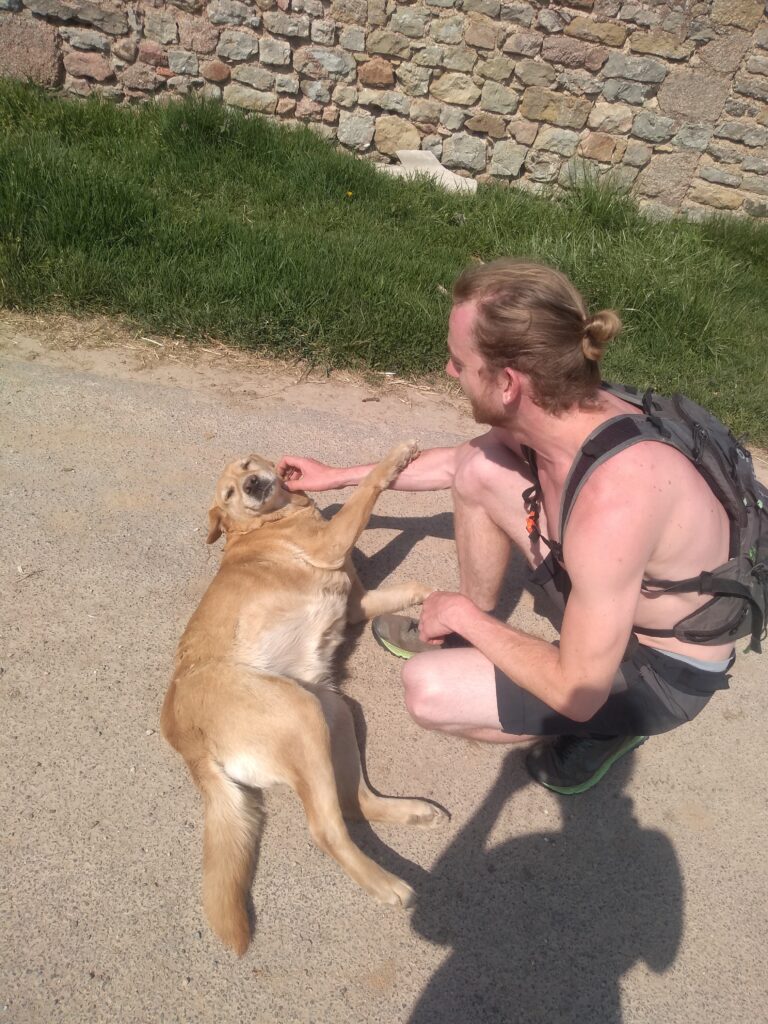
(526, 354)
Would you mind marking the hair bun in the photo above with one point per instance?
(599, 330)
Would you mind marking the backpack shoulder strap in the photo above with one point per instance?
(607, 440)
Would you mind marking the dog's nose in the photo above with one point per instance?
(257, 486)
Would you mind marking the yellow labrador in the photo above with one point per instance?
(252, 702)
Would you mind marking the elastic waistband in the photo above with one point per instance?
(697, 663)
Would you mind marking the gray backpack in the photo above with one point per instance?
(738, 588)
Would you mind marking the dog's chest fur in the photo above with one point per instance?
(293, 639)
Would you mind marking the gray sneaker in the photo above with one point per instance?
(399, 634)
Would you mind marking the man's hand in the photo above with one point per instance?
(300, 474)
(442, 613)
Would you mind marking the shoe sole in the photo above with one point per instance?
(637, 741)
(391, 648)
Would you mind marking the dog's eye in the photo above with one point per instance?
(229, 493)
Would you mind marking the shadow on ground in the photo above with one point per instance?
(542, 927)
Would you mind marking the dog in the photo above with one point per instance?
(252, 701)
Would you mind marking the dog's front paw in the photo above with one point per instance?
(402, 455)
(420, 592)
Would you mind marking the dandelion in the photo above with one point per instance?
(349, 195)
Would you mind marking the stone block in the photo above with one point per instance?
(740, 13)
(413, 80)
(275, 52)
(499, 98)
(497, 69)
(524, 44)
(488, 7)
(531, 72)
(618, 90)
(611, 117)
(250, 99)
(598, 146)
(350, 12)
(542, 165)
(393, 133)
(343, 95)
(293, 26)
(459, 58)
(215, 71)
(464, 151)
(725, 153)
(237, 44)
(653, 127)
(725, 53)
(555, 108)
(197, 34)
(28, 50)
(233, 12)
(552, 21)
(516, 13)
(662, 44)
(425, 111)
(258, 78)
(376, 72)
(385, 99)
(637, 154)
(391, 44)
(574, 53)
(447, 30)
(757, 65)
(161, 26)
(580, 82)
(747, 134)
(323, 32)
(452, 118)
(755, 162)
(635, 69)
(693, 95)
(756, 183)
(487, 124)
(285, 106)
(89, 12)
(87, 65)
(182, 62)
(606, 32)
(410, 21)
(153, 53)
(717, 174)
(693, 136)
(456, 88)
(430, 57)
(755, 87)
(86, 39)
(667, 177)
(756, 207)
(141, 77)
(317, 62)
(482, 32)
(523, 131)
(715, 195)
(352, 38)
(558, 140)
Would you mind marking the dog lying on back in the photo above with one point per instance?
(252, 702)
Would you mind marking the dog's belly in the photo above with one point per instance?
(298, 643)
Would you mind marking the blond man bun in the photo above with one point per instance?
(601, 329)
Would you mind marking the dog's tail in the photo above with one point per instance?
(230, 849)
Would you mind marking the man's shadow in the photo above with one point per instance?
(542, 927)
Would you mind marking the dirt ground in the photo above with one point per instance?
(641, 901)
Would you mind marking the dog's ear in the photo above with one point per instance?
(215, 524)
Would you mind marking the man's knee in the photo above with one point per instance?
(423, 691)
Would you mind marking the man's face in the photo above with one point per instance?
(479, 383)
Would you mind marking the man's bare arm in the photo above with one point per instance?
(607, 549)
(433, 470)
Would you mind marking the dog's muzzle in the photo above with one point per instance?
(258, 487)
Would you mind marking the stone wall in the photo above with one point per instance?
(668, 97)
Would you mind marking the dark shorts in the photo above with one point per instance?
(651, 694)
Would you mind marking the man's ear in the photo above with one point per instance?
(215, 524)
(512, 385)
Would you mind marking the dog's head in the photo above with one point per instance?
(247, 490)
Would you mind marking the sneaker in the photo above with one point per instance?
(399, 635)
(573, 764)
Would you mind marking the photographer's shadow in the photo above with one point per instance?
(542, 927)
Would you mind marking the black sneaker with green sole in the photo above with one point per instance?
(574, 764)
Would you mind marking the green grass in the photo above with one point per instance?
(196, 221)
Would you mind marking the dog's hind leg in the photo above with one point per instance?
(310, 772)
(357, 800)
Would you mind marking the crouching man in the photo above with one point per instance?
(526, 353)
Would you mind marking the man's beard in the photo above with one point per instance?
(484, 414)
